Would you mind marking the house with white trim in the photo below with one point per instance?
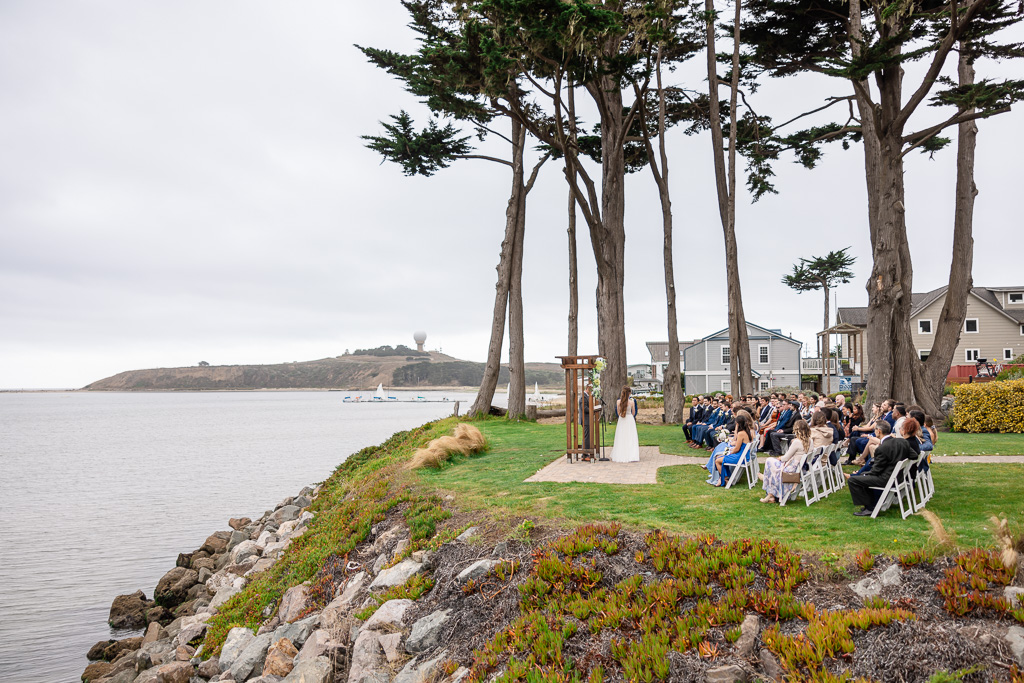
(774, 361)
(993, 329)
(659, 356)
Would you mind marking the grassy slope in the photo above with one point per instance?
(966, 496)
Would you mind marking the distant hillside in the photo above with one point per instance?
(352, 372)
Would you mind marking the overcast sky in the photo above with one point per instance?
(185, 181)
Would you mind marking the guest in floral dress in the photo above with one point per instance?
(788, 462)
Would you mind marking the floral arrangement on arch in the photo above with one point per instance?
(595, 378)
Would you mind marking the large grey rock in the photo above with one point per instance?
(223, 595)
(467, 534)
(236, 538)
(262, 565)
(892, 576)
(298, 631)
(310, 671)
(1015, 595)
(726, 674)
(426, 632)
(388, 616)
(316, 645)
(128, 611)
(237, 640)
(1015, 639)
(400, 548)
(284, 514)
(476, 571)
(379, 563)
(868, 587)
(391, 645)
(172, 589)
(154, 632)
(416, 672)
(772, 669)
(209, 668)
(243, 551)
(175, 672)
(153, 654)
(127, 676)
(292, 603)
(251, 659)
(749, 629)
(367, 659)
(280, 658)
(352, 588)
(397, 575)
(275, 549)
(302, 501)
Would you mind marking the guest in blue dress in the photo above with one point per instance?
(727, 453)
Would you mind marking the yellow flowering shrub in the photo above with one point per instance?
(990, 407)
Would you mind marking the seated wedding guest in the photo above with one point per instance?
(728, 424)
(862, 435)
(930, 428)
(713, 419)
(911, 431)
(696, 413)
(833, 419)
(899, 413)
(856, 418)
(887, 406)
(768, 424)
(784, 427)
(840, 401)
(889, 453)
(764, 409)
(728, 452)
(788, 462)
(821, 432)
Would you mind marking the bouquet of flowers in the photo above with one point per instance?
(722, 435)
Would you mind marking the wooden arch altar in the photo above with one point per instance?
(582, 412)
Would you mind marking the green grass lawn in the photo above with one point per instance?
(966, 496)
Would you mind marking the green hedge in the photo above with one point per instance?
(990, 407)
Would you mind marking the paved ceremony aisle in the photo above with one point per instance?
(606, 472)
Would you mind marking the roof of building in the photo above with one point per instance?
(767, 333)
(858, 315)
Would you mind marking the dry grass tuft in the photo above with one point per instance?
(1006, 541)
(466, 440)
(942, 538)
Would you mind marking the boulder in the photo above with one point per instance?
(190, 633)
(366, 661)
(305, 518)
(197, 591)
(223, 595)
(243, 551)
(892, 576)
(476, 571)
(297, 632)
(209, 668)
(397, 575)
(153, 654)
(388, 616)
(96, 651)
(251, 659)
(129, 611)
(127, 676)
(379, 563)
(277, 547)
(726, 674)
(287, 528)
(316, 645)
(237, 523)
(265, 538)
(772, 669)
(285, 513)
(159, 613)
(426, 632)
(302, 501)
(416, 672)
(749, 629)
(184, 560)
(292, 603)
(310, 671)
(352, 588)
(172, 590)
(175, 672)
(184, 653)
(148, 676)
(868, 587)
(216, 544)
(400, 548)
(241, 568)
(262, 565)
(391, 645)
(279, 658)
(154, 633)
(1015, 595)
(1015, 639)
(204, 563)
(237, 640)
(96, 671)
(236, 538)
(467, 534)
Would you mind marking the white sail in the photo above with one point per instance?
(380, 392)
(536, 391)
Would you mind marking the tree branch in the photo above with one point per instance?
(927, 134)
(485, 158)
(832, 100)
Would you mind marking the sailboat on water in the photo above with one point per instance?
(379, 396)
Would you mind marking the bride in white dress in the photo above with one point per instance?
(627, 443)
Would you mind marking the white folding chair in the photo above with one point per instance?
(812, 477)
(828, 476)
(923, 487)
(747, 455)
(899, 487)
(798, 489)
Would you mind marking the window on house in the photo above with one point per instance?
(762, 354)
(971, 325)
(1007, 354)
(726, 385)
(725, 355)
(666, 352)
(1016, 297)
(972, 355)
(924, 326)
(764, 385)
(923, 353)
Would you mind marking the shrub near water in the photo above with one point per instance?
(990, 407)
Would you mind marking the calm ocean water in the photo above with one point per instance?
(100, 492)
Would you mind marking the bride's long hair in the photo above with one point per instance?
(624, 401)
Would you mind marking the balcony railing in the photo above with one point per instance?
(812, 366)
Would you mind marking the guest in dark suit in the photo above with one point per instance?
(890, 452)
(784, 427)
(696, 415)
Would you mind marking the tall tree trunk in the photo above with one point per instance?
(826, 351)
(574, 294)
(725, 182)
(930, 375)
(482, 403)
(516, 361)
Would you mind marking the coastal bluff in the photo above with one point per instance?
(349, 372)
